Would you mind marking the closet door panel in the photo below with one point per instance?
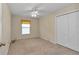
(72, 41)
(77, 30)
(62, 30)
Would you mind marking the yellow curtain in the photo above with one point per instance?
(25, 21)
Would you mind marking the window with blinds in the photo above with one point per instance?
(25, 26)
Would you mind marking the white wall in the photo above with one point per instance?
(47, 28)
(16, 28)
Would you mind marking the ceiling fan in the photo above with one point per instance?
(34, 11)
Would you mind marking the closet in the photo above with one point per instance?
(67, 30)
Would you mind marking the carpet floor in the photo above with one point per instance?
(38, 47)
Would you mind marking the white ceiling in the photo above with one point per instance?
(23, 9)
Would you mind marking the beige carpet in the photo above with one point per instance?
(38, 47)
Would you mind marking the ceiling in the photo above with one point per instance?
(25, 9)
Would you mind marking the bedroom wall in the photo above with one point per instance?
(47, 28)
(16, 28)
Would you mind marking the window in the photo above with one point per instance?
(25, 26)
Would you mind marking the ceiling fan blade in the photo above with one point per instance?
(28, 10)
(36, 7)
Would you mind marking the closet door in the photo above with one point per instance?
(68, 30)
(72, 20)
(77, 32)
(62, 30)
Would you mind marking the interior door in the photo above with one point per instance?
(1, 28)
(2, 48)
(5, 29)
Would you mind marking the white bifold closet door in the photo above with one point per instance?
(62, 30)
(67, 30)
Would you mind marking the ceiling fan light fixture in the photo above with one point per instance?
(35, 14)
